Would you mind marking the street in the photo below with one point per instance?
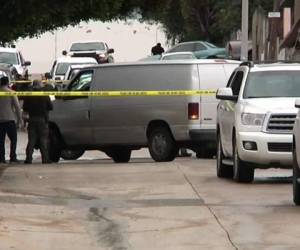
(93, 203)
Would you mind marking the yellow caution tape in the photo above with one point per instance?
(44, 81)
(112, 93)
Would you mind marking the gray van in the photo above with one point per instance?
(118, 125)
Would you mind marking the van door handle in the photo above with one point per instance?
(88, 115)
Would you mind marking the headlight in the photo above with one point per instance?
(253, 119)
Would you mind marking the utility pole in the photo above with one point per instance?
(245, 26)
(273, 32)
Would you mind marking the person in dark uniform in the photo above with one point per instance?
(157, 49)
(38, 108)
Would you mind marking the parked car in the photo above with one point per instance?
(170, 56)
(200, 49)
(255, 119)
(296, 156)
(118, 125)
(61, 65)
(178, 56)
(95, 49)
(14, 57)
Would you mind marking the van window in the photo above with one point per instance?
(82, 82)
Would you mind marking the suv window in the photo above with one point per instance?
(237, 82)
(82, 82)
(87, 46)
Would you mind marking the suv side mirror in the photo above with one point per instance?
(110, 51)
(27, 63)
(297, 103)
(226, 94)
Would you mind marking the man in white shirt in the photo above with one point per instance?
(10, 116)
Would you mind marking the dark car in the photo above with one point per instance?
(98, 50)
(201, 49)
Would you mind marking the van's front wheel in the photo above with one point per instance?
(162, 146)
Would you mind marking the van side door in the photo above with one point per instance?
(72, 113)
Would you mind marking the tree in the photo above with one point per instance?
(211, 20)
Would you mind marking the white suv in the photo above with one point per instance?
(255, 119)
(14, 57)
(296, 156)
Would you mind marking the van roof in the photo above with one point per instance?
(171, 62)
(68, 59)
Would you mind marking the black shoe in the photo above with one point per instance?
(46, 162)
(3, 162)
(14, 161)
(27, 162)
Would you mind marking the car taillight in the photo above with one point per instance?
(193, 111)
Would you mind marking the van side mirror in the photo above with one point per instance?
(47, 75)
(297, 103)
(226, 94)
(27, 63)
(110, 51)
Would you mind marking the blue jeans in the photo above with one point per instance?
(8, 128)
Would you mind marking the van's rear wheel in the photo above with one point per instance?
(162, 146)
(72, 154)
(54, 146)
(119, 154)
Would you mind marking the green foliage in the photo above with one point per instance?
(211, 20)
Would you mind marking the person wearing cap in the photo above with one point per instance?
(157, 49)
(10, 116)
(38, 108)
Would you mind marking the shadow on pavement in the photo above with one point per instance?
(273, 180)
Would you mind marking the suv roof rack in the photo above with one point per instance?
(250, 64)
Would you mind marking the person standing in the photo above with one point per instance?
(10, 111)
(157, 49)
(38, 108)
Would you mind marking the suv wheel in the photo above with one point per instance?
(119, 154)
(71, 154)
(242, 171)
(296, 175)
(162, 146)
(54, 147)
(223, 171)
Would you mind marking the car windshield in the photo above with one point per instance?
(267, 84)
(62, 68)
(87, 46)
(177, 57)
(8, 57)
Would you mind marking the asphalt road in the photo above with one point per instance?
(93, 203)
